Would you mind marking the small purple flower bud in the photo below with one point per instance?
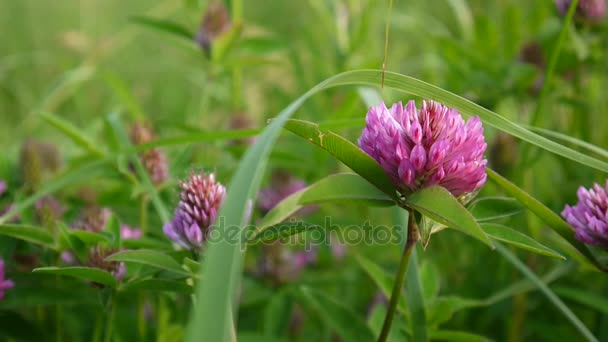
(154, 160)
(589, 217)
(5, 284)
(128, 233)
(93, 219)
(2, 187)
(420, 148)
(215, 22)
(196, 211)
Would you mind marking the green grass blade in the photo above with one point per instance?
(74, 133)
(419, 88)
(415, 300)
(542, 212)
(576, 322)
(121, 134)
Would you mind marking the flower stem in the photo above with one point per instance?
(413, 237)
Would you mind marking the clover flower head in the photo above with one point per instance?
(589, 217)
(420, 148)
(196, 212)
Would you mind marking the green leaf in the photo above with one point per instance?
(456, 336)
(87, 273)
(282, 230)
(113, 227)
(150, 258)
(345, 187)
(165, 26)
(542, 212)
(584, 297)
(439, 204)
(383, 281)
(517, 239)
(147, 243)
(345, 151)
(339, 187)
(74, 133)
(89, 238)
(338, 316)
(282, 211)
(157, 285)
(36, 235)
(553, 298)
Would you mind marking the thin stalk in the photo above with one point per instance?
(141, 316)
(386, 31)
(413, 236)
(549, 71)
(110, 319)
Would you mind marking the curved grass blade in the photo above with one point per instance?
(223, 259)
(584, 297)
(420, 88)
(122, 136)
(542, 212)
(563, 308)
(74, 133)
(570, 140)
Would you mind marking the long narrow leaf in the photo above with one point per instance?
(563, 308)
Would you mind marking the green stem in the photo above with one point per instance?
(553, 62)
(141, 317)
(386, 31)
(549, 71)
(413, 237)
(110, 319)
